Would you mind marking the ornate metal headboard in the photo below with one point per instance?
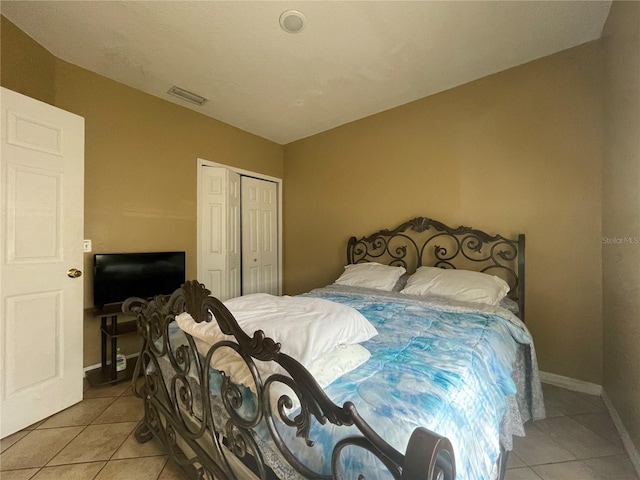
(426, 242)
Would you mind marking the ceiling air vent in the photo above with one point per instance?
(187, 95)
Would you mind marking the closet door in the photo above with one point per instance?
(219, 225)
(259, 236)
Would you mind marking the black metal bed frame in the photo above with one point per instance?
(179, 405)
(426, 242)
(423, 241)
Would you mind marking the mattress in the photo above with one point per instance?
(464, 371)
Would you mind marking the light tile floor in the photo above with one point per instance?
(93, 440)
(577, 441)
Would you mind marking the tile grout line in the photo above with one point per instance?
(601, 409)
(54, 455)
(36, 428)
(80, 432)
(629, 447)
(596, 433)
(111, 459)
(599, 403)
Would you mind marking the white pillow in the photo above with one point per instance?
(333, 365)
(371, 275)
(307, 328)
(461, 285)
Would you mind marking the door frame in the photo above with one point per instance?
(199, 240)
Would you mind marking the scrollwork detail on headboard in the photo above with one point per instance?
(423, 241)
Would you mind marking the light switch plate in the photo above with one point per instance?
(86, 246)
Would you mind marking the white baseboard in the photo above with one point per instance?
(91, 367)
(594, 389)
(571, 383)
(634, 456)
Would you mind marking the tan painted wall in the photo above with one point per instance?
(140, 166)
(140, 163)
(26, 67)
(140, 170)
(621, 216)
(519, 151)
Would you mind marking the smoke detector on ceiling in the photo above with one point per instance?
(187, 95)
(292, 21)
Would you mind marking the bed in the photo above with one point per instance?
(431, 374)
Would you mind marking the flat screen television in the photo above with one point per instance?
(118, 276)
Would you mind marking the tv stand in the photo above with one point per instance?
(106, 373)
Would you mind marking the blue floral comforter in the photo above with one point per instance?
(443, 365)
(449, 366)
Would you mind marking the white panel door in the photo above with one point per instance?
(219, 239)
(41, 231)
(259, 236)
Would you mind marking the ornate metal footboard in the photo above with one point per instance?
(213, 427)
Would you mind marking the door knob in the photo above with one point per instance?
(74, 273)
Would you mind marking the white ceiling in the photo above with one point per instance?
(352, 59)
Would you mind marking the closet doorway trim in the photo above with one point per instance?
(200, 234)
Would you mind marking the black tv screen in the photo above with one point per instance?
(118, 276)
